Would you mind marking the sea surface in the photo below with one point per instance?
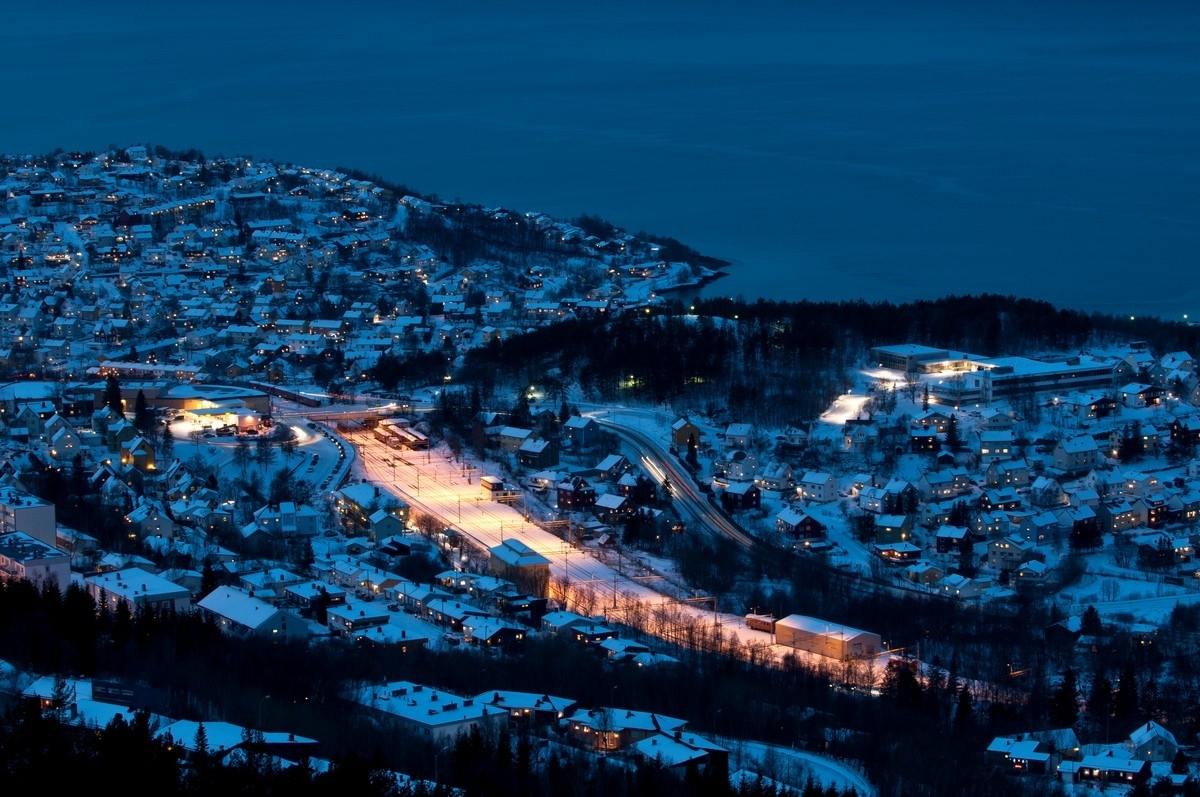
(836, 150)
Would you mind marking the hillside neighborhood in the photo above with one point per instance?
(208, 359)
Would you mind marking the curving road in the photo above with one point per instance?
(689, 501)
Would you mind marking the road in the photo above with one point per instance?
(656, 458)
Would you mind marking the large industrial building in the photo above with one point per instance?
(826, 639)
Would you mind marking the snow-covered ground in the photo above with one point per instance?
(793, 767)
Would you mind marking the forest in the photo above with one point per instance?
(921, 736)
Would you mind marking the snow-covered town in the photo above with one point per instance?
(231, 364)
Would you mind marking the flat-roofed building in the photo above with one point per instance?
(23, 556)
(137, 588)
(826, 639)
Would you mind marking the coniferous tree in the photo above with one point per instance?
(167, 444)
(143, 417)
(1125, 702)
(964, 709)
(112, 395)
(952, 440)
(1099, 703)
(1064, 703)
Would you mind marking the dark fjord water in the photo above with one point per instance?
(872, 150)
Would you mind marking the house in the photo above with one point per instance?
(900, 495)
(311, 598)
(993, 420)
(577, 628)
(529, 709)
(617, 649)
(995, 446)
(680, 752)
(1047, 493)
(937, 513)
(738, 466)
(896, 552)
(893, 528)
(383, 524)
(1001, 499)
(575, 492)
(684, 434)
(238, 613)
(1105, 768)
(1008, 553)
(817, 486)
(537, 454)
(933, 419)
(924, 573)
(430, 713)
(138, 589)
(937, 485)
(859, 435)
(494, 632)
(1031, 572)
(1076, 454)
(612, 508)
(871, 499)
(613, 467)
(269, 584)
(288, 519)
(510, 438)
(582, 433)
(741, 496)
(515, 561)
(1020, 754)
(609, 728)
(1152, 742)
(739, 435)
(776, 476)
(1012, 473)
(1136, 394)
(799, 525)
(959, 586)
(953, 539)
(356, 617)
(923, 441)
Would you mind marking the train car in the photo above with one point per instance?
(761, 622)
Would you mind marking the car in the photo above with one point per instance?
(311, 425)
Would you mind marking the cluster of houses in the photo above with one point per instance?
(440, 716)
(1148, 754)
(424, 710)
(989, 504)
(152, 268)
